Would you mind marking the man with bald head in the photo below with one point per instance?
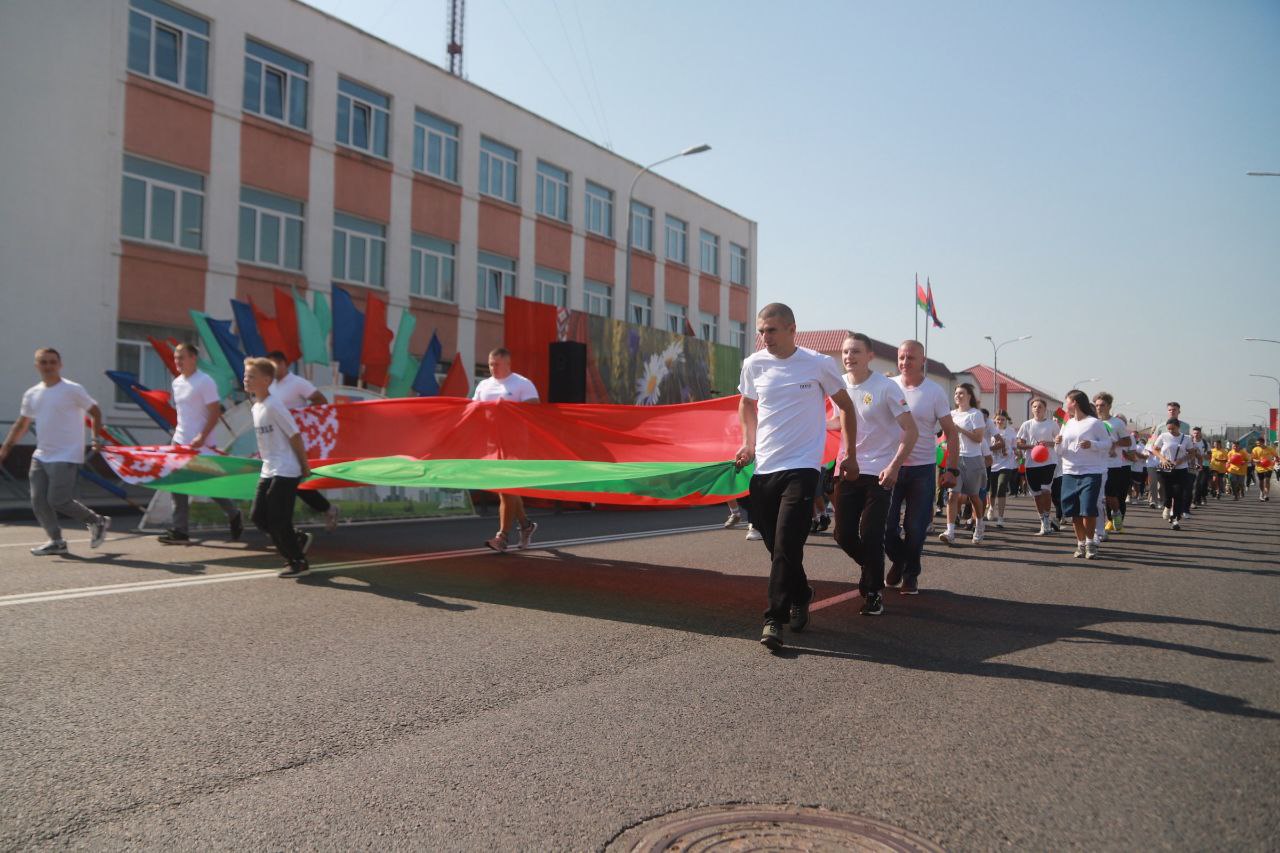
(783, 413)
(911, 504)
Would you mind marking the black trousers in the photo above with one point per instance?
(273, 514)
(782, 510)
(1177, 486)
(314, 499)
(1202, 484)
(861, 509)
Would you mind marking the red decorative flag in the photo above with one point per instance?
(529, 328)
(287, 322)
(269, 329)
(375, 351)
(455, 381)
(165, 351)
(160, 400)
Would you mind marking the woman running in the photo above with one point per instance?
(1237, 469)
(972, 427)
(1217, 468)
(1082, 448)
(1004, 468)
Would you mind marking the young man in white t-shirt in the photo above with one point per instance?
(784, 430)
(284, 467)
(196, 400)
(1040, 431)
(504, 384)
(1115, 483)
(57, 407)
(886, 435)
(297, 392)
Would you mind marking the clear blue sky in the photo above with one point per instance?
(1074, 171)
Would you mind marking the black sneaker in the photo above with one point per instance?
(304, 540)
(237, 526)
(909, 587)
(813, 525)
(771, 636)
(800, 613)
(296, 570)
(873, 606)
(824, 521)
(173, 537)
(895, 575)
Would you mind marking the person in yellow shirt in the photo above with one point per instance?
(1237, 468)
(1264, 462)
(1218, 468)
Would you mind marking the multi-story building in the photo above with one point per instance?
(162, 157)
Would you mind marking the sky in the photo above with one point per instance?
(1073, 171)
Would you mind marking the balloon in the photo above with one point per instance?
(940, 453)
(1040, 454)
(1236, 458)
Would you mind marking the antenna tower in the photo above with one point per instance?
(457, 10)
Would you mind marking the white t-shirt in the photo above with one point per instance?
(514, 389)
(971, 420)
(293, 391)
(1151, 461)
(58, 411)
(1033, 432)
(1203, 447)
(1008, 461)
(1078, 460)
(275, 426)
(1176, 449)
(1119, 430)
(1140, 452)
(929, 405)
(191, 398)
(879, 403)
(791, 412)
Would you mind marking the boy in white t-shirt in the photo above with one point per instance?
(504, 384)
(57, 407)
(297, 392)
(284, 467)
(783, 415)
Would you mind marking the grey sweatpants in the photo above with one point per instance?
(53, 491)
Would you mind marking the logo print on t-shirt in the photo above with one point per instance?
(866, 399)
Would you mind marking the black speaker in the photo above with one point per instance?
(568, 381)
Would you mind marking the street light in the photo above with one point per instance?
(1264, 174)
(1275, 380)
(1080, 382)
(995, 360)
(1263, 340)
(626, 293)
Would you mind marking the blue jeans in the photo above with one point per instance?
(904, 532)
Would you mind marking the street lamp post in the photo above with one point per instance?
(995, 360)
(1264, 340)
(1275, 380)
(1080, 382)
(626, 293)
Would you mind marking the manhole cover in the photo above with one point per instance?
(736, 829)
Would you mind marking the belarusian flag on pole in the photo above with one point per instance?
(931, 307)
(922, 301)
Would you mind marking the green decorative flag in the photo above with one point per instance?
(402, 386)
(311, 334)
(322, 313)
(215, 363)
(400, 350)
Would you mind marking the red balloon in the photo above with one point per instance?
(1040, 454)
(1237, 458)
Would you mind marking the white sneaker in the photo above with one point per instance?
(50, 548)
(734, 519)
(1000, 522)
(1102, 535)
(979, 530)
(1080, 549)
(526, 534)
(947, 537)
(1043, 531)
(98, 530)
(1176, 525)
(1091, 550)
(1167, 513)
(753, 535)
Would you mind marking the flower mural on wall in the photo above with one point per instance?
(649, 383)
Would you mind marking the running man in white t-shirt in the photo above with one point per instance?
(1040, 431)
(886, 435)
(1115, 482)
(784, 431)
(284, 467)
(57, 407)
(297, 392)
(504, 384)
(196, 400)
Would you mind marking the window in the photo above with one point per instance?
(275, 84)
(270, 229)
(708, 327)
(168, 44)
(640, 309)
(677, 240)
(599, 210)
(709, 251)
(359, 250)
(553, 191)
(642, 226)
(598, 298)
(435, 146)
(675, 318)
(432, 268)
(498, 170)
(738, 336)
(550, 286)
(135, 355)
(497, 279)
(162, 204)
(363, 117)
(737, 264)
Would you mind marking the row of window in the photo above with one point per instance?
(171, 45)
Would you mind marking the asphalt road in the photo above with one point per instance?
(417, 693)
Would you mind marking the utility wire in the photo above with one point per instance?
(582, 78)
(586, 50)
(581, 121)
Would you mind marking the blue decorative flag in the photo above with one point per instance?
(348, 333)
(247, 326)
(129, 384)
(230, 347)
(425, 382)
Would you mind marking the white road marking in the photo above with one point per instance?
(426, 556)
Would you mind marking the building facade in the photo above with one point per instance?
(175, 157)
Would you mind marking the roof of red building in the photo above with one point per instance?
(986, 379)
(830, 340)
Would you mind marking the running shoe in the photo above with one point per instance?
(331, 518)
(895, 575)
(1080, 549)
(824, 521)
(947, 538)
(296, 570)
(753, 535)
(304, 540)
(1055, 526)
(498, 542)
(98, 530)
(1176, 525)
(1102, 535)
(734, 519)
(800, 613)
(237, 526)
(909, 587)
(526, 534)
(979, 530)
(1000, 522)
(873, 606)
(771, 636)
(1043, 531)
(52, 548)
(173, 537)
(1091, 550)
(1117, 526)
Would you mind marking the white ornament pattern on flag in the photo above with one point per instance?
(141, 465)
(319, 427)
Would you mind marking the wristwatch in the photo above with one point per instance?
(954, 472)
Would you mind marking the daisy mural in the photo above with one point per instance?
(650, 382)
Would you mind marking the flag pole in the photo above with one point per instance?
(915, 300)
